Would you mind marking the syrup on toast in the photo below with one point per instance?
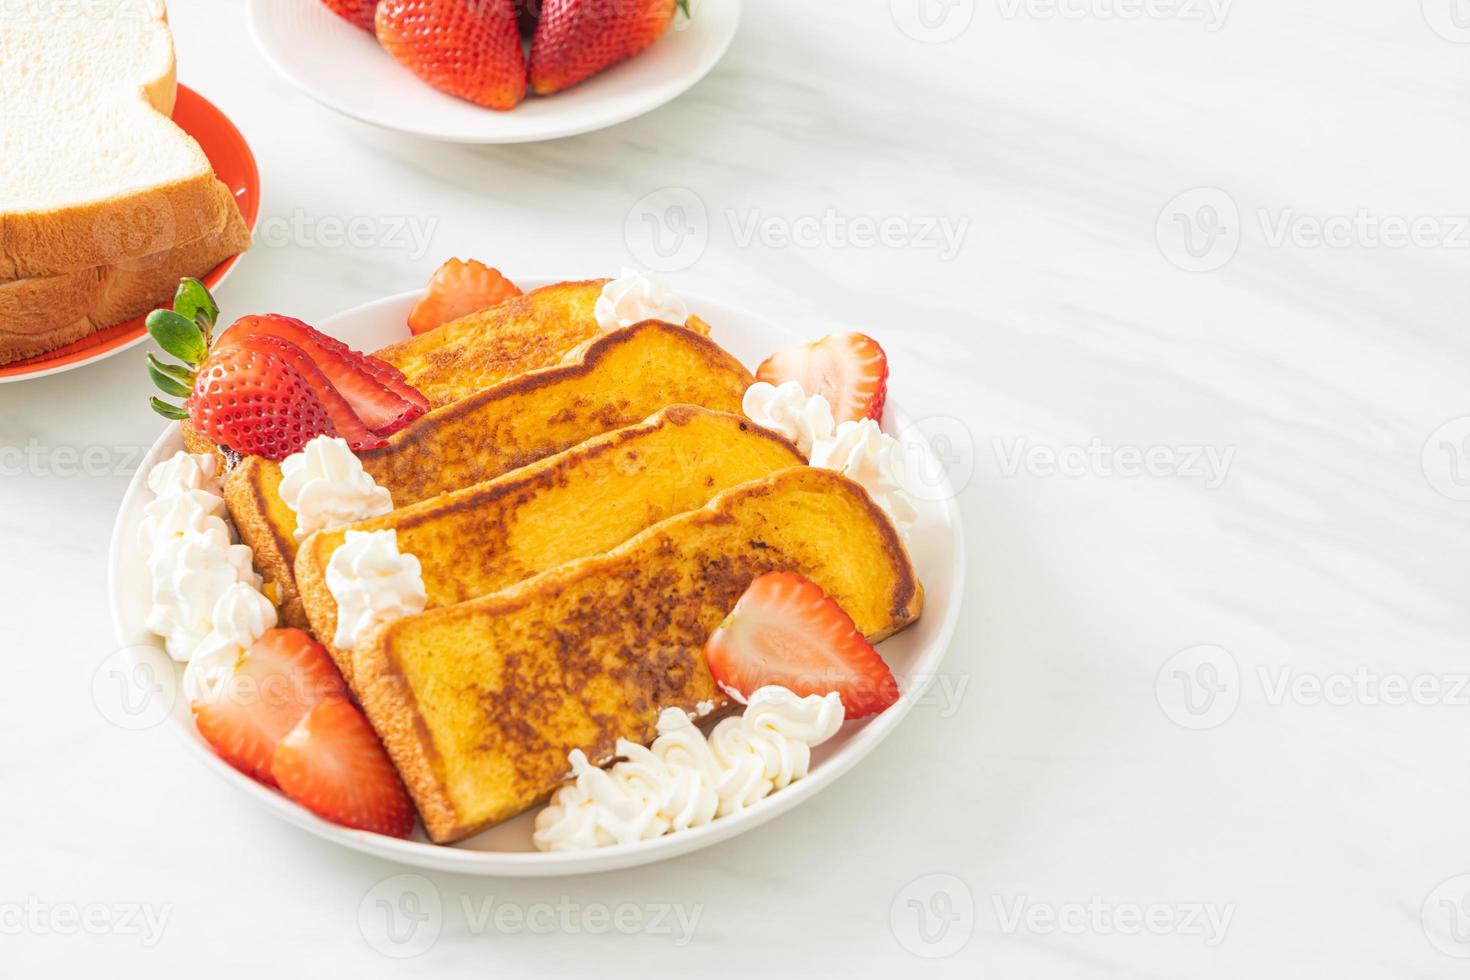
(480, 702)
(622, 378)
(523, 334)
(580, 502)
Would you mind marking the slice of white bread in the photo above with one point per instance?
(40, 314)
(98, 185)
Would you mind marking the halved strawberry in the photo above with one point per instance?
(459, 288)
(356, 12)
(786, 631)
(849, 369)
(333, 764)
(253, 400)
(376, 390)
(275, 683)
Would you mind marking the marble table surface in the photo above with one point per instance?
(1182, 284)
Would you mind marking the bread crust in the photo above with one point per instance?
(268, 526)
(41, 314)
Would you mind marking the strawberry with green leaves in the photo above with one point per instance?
(270, 384)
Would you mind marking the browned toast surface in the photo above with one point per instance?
(622, 378)
(580, 502)
(472, 353)
(479, 703)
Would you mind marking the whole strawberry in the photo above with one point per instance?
(356, 12)
(576, 39)
(251, 399)
(468, 48)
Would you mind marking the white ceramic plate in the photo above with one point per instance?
(914, 655)
(345, 69)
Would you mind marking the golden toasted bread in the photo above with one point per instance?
(472, 353)
(479, 703)
(623, 377)
(580, 502)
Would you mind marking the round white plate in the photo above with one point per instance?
(914, 655)
(344, 68)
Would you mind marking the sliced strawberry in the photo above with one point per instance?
(376, 390)
(333, 764)
(357, 12)
(275, 683)
(786, 631)
(469, 50)
(849, 369)
(253, 400)
(458, 289)
(347, 423)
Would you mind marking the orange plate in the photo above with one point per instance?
(235, 165)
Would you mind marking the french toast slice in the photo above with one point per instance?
(479, 703)
(528, 332)
(580, 502)
(623, 377)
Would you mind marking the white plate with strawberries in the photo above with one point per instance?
(495, 71)
(335, 737)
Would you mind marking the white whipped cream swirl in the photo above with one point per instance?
(241, 616)
(202, 583)
(634, 297)
(169, 518)
(326, 486)
(684, 780)
(185, 471)
(190, 572)
(373, 583)
(788, 410)
(870, 457)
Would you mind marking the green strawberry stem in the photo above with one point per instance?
(168, 411)
(184, 332)
(194, 302)
(165, 376)
(684, 6)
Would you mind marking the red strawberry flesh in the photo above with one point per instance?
(274, 684)
(786, 631)
(333, 764)
(850, 370)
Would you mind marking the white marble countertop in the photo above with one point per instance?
(1211, 677)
